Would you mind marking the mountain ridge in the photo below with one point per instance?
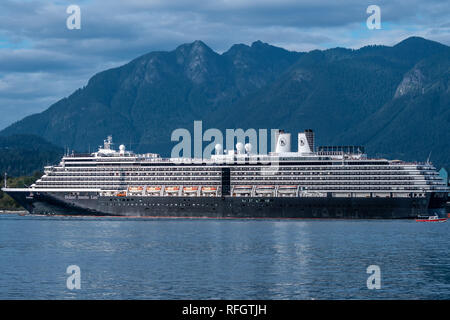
(25, 154)
(339, 92)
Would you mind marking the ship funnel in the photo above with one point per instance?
(310, 138)
(303, 144)
(283, 142)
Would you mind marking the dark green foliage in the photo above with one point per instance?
(25, 154)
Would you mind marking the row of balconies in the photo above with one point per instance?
(61, 183)
(243, 179)
(308, 188)
(241, 168)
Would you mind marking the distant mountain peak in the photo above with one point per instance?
(196, 59)
(239, 47)
(194, 48)
(349, 96)
(259, 43)
(416, 42)
(263, 46)
(255, 46)
(413, 40)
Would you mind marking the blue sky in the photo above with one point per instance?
(41, 61)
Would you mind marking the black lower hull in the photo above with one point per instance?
(58, 203)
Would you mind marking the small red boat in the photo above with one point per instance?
(430, 219)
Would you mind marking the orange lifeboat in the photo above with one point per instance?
(135, 189)
(190, 189)
(209, 189)
(153, 189)
(172, 189)
(121, 194)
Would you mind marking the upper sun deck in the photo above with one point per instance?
(325, 155)
(314, 159)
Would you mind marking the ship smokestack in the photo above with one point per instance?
(283, 142)
(310, 138)
(303, 143)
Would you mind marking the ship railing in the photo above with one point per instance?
(300, 193)
(78, 155)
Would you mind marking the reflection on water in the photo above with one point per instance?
(221, 259)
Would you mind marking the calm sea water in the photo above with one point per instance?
(123, 258)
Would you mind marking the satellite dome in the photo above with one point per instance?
(248, 147)
(239, 147)
(218, 147)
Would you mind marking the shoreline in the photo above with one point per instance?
(13, 211)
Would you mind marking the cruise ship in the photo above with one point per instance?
(325, 182)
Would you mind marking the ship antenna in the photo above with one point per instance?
(429, 156)
(6, 180)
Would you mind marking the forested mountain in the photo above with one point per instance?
(395, 100)
(25, 154)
